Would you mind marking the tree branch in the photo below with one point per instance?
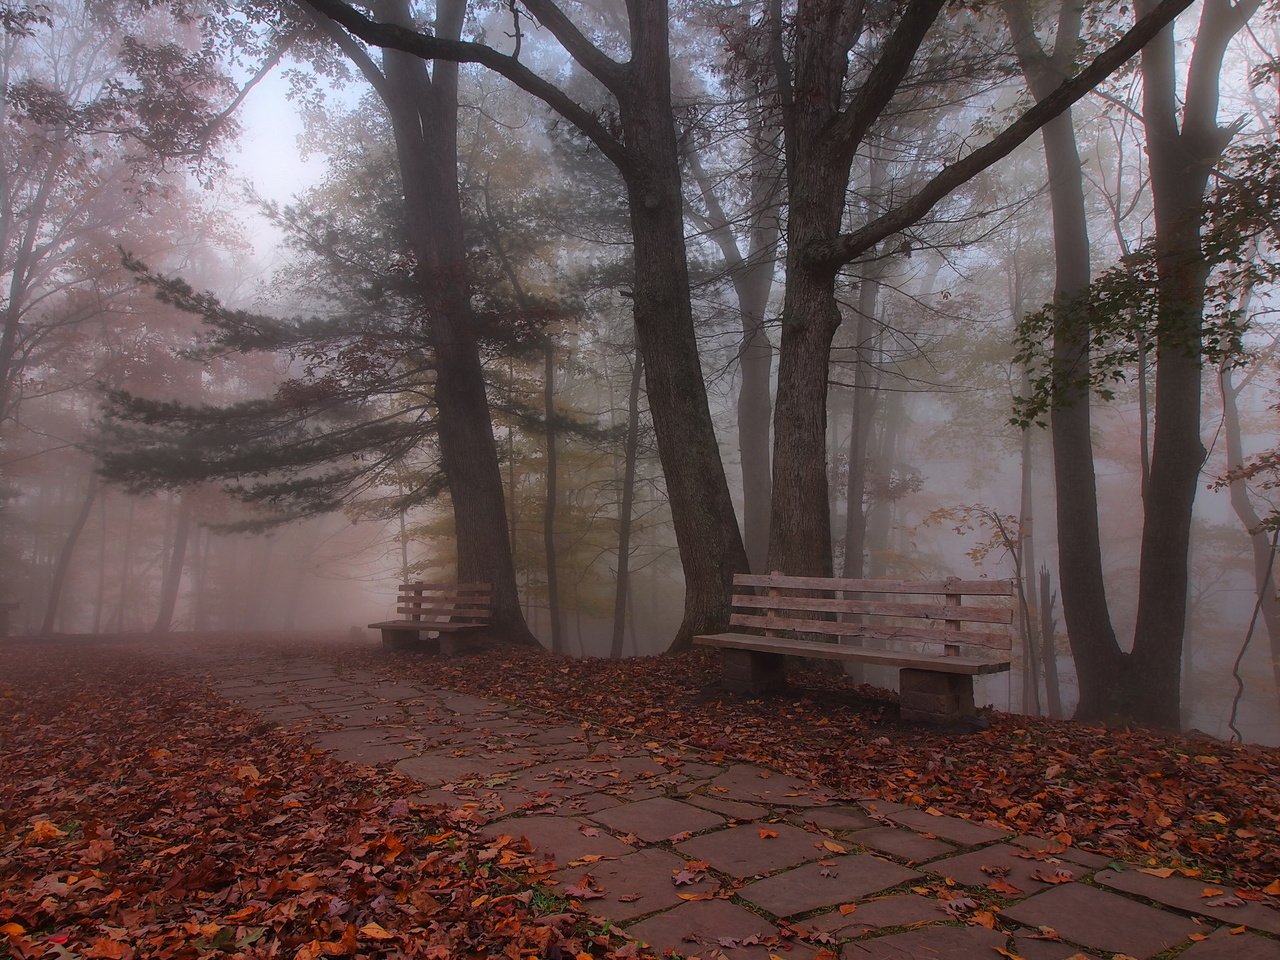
(850, 246)
(463, 51)
(604, 68)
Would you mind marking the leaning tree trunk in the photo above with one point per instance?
(1259, 542)
(706, 526)
(424, 119)
(549, 511)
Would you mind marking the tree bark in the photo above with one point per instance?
(1180, 163)
(549, 509)
(176, 560)
(623, 582)
(62, 567)
(424, 117)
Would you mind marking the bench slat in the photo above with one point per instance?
(833, 628)
(436, 606)
(985, 588)
(818, 649)
(439, 626)
(921, 611)
(454, 588)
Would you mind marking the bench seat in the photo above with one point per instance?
(880, 622)
(443, 612)
(825, 650)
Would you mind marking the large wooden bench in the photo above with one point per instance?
(923, 627)
(446, 612)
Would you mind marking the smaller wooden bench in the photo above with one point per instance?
(922, 627)
(449, 611)
(6, 607)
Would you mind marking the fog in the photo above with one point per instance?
(266, 457)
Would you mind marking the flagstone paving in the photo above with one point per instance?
(715, 859)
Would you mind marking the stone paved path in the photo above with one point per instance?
(713, 860)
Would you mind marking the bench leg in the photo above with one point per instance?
(746, 671)
(450, 646)
(399, 640)
(934, 697)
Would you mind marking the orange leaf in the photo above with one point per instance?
(834, 847)
(375, 931)
(705, 895)
(1236, 930)
(1005, 887)
(43, 830)
(847, 908)
(1161, 872)
(767, 834)
(1007, 953)
(1211, 892)
(13, 929)
(1272, 889)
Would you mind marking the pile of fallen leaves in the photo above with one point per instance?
(141, 817)
(1195, 802)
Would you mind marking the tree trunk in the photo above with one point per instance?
(702, 514)
(173, 568)
(1100, 664)
(865, 394)
(424, 118)
(623, 583)
(63, 564)
(1048, 637)
(1180, 162)
(549, 509)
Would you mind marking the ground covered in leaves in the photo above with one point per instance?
(1197, 803)
(142, 817)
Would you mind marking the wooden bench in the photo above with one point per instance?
(6, 607)
(922, 627)
(447, 610)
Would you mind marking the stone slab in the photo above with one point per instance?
(707, 928)
(837, 818)
(434, 769)
(1002, 858)
(562, 839)
(633, 886)
(741, 851)
(1225, 945)
(757, 785)
(1072, 854)
(963, 832)
(902, 910)
(1032, 948)
(733, 809)
(1103, 921)
(833, 881)
(1186, 893)
(657, 819)
(934, 943)
(903, 844)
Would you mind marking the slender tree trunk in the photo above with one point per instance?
(1048, 637)
(126, 567)
(880, 512)
(625, 509)
(172, 580)
(549, 509)
(1100, 664)
(100, 594)
(63, 564)
(865, 398)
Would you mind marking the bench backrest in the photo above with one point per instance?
(919, 611)
(452, 602)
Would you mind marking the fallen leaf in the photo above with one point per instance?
(375, 931)
(767, 834)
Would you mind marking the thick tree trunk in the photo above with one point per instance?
(706, 526)
(62, 566)
(625, 508)
(424, 118)
(176, 560)
(1180, 162)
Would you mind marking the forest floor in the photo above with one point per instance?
(142, 814)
